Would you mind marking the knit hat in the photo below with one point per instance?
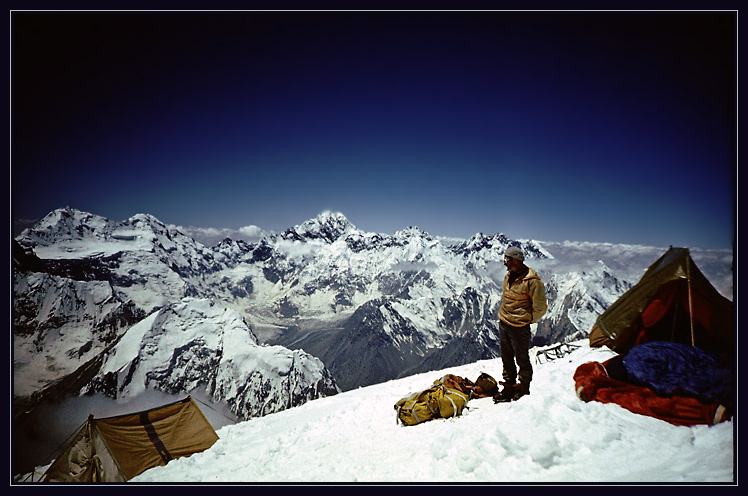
(514, 252)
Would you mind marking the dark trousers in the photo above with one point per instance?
(515, 345)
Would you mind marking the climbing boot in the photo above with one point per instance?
(505, 395)
(520, 390)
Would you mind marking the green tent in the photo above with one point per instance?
(672, 302)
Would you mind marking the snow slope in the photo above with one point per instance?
(549, 436)
(199, 342)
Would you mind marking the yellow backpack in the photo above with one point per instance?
(438, 401)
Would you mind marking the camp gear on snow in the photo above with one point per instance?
(673, 301)
(456, 383)
(116, 449)
(554, 352)
(485, 386)
(437, 401)
(595, 381)
(672, 368)
(481, 388)
(447, 397)
(674, 333)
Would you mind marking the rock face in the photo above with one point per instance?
(364, 307)
(61, 323)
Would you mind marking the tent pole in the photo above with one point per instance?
(675, 318)
(690, 303)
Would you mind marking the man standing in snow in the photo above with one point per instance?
(523, 303)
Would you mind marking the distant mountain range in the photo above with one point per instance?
(265, 321)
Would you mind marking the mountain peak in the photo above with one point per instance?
(413, 232)
(327, 215)
(327, 226)
(65, 223)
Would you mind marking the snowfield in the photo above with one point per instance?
(550, 436)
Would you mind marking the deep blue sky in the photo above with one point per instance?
(588, 126)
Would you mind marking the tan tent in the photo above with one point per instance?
(116, 449)
(672, 302)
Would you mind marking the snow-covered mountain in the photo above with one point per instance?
(575, 299)
(408, 300)
(121, 307)
(197, 343)
(82, 283)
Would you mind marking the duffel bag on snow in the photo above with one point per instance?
(484, 386)
(438, 401)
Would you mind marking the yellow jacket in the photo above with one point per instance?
(524, 301)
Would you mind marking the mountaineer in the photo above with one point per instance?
(523, 303)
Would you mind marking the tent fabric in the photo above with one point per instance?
(77, 463)
(116, 449)
(595, 381)
(673, 301)
(676, 369)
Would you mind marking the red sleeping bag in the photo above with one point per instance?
(594, 383)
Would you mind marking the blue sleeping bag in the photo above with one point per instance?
(673, 368)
